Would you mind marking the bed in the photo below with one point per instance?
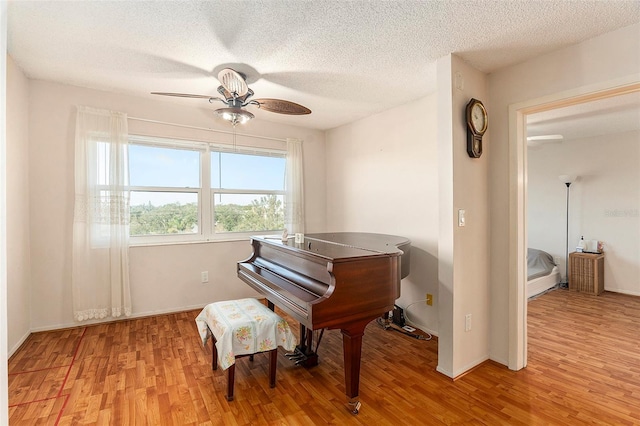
(542, 272)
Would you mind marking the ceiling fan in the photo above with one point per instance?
(236, 96)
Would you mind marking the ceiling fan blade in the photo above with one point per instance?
(281, 107)
(183, 95)
(233, 81)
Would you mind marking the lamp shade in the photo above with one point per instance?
(567, 178)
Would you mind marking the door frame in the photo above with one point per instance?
(518, 196)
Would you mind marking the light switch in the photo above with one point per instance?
(461, 220)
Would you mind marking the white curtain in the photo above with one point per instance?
(100, 264)
(294, 186)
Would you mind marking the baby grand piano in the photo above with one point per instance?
(330, 281)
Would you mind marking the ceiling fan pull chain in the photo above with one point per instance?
(235, 149)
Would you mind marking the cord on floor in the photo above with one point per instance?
(393, 327)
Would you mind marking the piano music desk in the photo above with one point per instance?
(240, 328)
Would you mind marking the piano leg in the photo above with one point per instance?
(309, 344)
(352, 352)
(306, 339)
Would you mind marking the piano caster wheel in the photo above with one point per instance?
(354, 406)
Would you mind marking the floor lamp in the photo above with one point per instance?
(567, 180)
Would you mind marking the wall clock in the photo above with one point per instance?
(477, 122)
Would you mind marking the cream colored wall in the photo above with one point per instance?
(4, 398)
(607, 58)
(464, 255)
(446, 220)
(17, 186)
(163, 278)
(604, 202)
(595, 61)
(382, 176)
(471, 242)
(406, 171)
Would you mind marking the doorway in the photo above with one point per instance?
(518, 178)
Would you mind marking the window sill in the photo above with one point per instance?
(229, 239)
(178, 243)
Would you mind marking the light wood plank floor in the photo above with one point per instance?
(584, 368)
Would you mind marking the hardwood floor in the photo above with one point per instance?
(584, 368)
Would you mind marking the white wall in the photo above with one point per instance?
(604, 202)
(463, 255)
(18, 258)
(163, 278)
(602, 59)
(406, 171)
(382, 177)
(4, 398)
(51, 120)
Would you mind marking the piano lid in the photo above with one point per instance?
(334, 246)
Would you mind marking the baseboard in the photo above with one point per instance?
(630, 293)
(499, 361)
(111, 319)
(464, 370)
(15, 347)
(445, 372)
(475, 367)
(454, 375)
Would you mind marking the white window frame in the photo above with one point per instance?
(205, 192)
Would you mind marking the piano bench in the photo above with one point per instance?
(231, 371)
(240, 328)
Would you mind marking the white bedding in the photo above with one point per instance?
(542, 284)
(542, 272)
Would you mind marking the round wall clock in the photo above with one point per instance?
(477, 122)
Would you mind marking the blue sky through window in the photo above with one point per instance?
(180, 168)
(244, 171)
(154, 166)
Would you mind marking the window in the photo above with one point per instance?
(247, 201)
(182, 191)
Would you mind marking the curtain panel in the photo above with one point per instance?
(100, 263)
(294, 187)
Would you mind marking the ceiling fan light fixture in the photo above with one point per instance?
(234, 115)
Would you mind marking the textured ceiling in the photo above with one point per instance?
(607, 116)
(343, 60)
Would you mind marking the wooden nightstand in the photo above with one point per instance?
(586, 272)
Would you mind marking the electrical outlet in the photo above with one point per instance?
(467, 322)
(204, 276)
(429, 299)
